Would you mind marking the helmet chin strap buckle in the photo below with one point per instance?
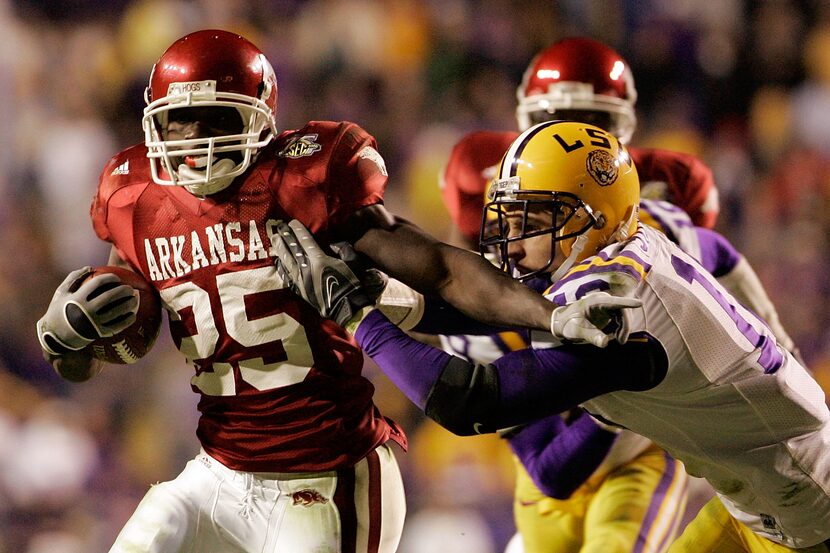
(216, 177)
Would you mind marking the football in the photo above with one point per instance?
(132, 343)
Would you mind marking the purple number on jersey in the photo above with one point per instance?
(770, 359)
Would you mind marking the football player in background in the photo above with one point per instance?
(294, 454)
(583, 80)
(689, 367)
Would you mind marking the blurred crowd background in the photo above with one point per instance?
(745, 85)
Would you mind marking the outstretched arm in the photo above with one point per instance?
(520, 387)
(462, 278)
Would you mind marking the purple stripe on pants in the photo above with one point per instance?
(654, 508)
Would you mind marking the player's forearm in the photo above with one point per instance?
(520, 387)
(462, 278)
(484, 293)
(75, 366)
(439, 317)
(560, 457)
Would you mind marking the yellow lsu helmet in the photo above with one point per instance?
(579, 174)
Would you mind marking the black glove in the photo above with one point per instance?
(325, 282)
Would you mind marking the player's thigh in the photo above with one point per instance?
(546, 525)
(638, 506)
(358, 509)
(715, 530)
(167, 518)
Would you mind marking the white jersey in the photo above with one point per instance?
(678, 227)
(734, 407)
(674, 223)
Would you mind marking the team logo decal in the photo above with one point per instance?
(123, 169)
(307, 497)
(301, 146)
(601, 167)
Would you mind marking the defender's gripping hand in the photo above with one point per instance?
(82, 310)
(325, 282)
(595, 319)
(374, 281)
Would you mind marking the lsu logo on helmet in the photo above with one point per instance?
(602, 167)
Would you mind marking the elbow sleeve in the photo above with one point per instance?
(465, 399)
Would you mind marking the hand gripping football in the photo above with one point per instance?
(132, 343)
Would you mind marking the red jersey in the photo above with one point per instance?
(281, 388)
(679, 178)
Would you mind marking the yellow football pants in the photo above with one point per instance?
(635, 508)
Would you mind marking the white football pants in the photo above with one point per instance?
(210, 508)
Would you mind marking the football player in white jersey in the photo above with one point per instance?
(581, 79)
(688, 366)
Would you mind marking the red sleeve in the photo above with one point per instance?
(357, 174)
(467, 174)
(121, 182)
(98, 209)
(686, 181)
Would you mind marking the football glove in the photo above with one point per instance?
(325, 282)
(374, 281)
(595, 319)
(83, 310)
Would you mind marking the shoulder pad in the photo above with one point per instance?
(679, 178)
(128, 167)
(471, 166)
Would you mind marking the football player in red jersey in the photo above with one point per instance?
(577, 79)
(294, 452)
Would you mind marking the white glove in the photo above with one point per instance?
(83, 310)
(594, 319)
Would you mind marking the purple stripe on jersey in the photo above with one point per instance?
(631, 255)
(717, 254)
(593, 286)
(560, 299)
(656, 504)
(664, 225)
(598, 284)
(770, 359)
(600, 269)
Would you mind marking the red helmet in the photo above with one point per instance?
(209, 68)
(579, 75)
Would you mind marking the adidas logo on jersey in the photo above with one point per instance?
(123, 169)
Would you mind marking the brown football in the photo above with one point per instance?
(132, 343)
